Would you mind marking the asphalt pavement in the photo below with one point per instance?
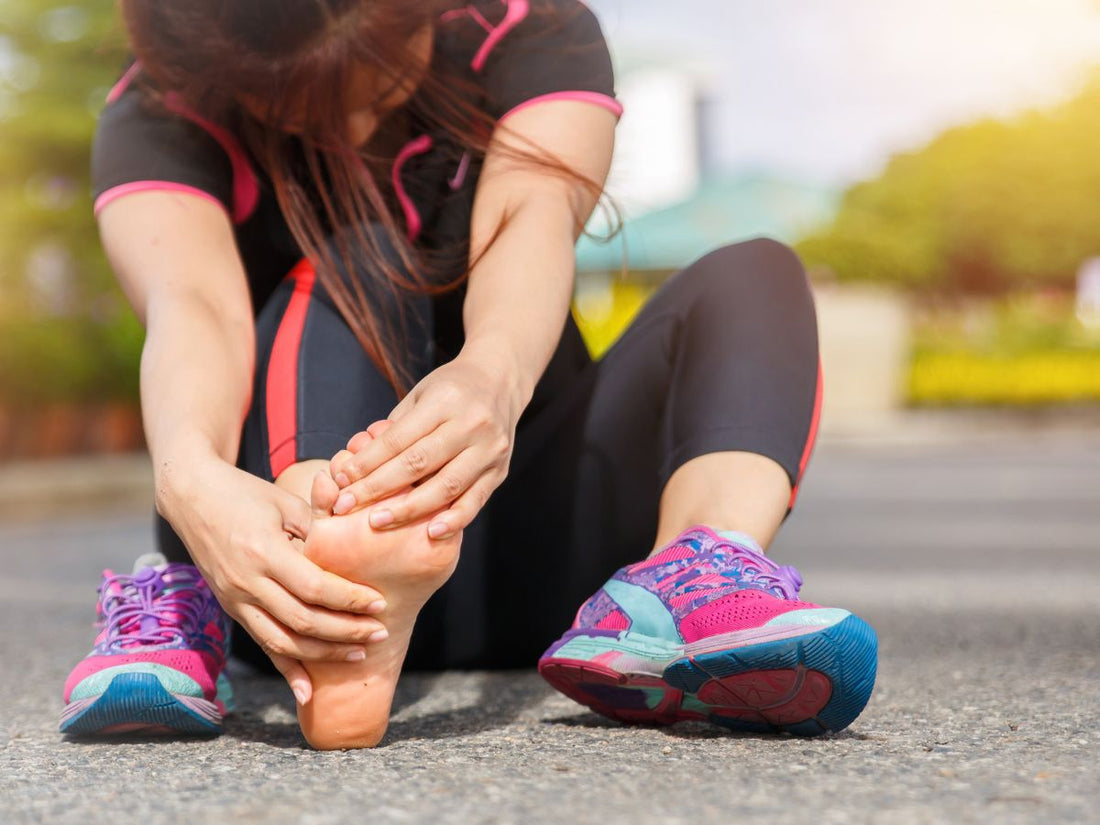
(977, 562)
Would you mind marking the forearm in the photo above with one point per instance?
(176, 260)
(519, 293)
(196, 379)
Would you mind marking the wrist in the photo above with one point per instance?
(178, 472)
(500, 360)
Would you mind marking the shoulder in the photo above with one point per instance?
(525, 49)
(146, 142)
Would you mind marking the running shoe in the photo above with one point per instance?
(711, 629)
(158, 664)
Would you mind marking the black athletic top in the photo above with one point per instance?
(505, 48)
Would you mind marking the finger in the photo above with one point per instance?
(404, 406)
(296, 676)
(463, 511)
(435, 494)
(316, 622)
(355, 444)
(321, 588)
(391, 442)
(277, 640)
(419, 461)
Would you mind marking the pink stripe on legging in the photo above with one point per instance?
(281, 387)
(811, 439)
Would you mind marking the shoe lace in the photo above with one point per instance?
(151, 606)
(744, 568)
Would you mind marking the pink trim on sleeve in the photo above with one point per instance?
(124, 82)
(246, 186)
(419, 146)
(116, 192)
(605, 101)
(516, 13)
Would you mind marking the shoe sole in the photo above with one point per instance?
(807, 684)
(138, 702)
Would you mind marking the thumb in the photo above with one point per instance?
(296, 676)
(295, 512)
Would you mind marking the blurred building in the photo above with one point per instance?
(676, 201)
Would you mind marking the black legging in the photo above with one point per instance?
(722, 357)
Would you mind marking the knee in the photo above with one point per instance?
(759, 258)
(747, 271)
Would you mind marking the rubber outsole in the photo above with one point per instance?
(806, 685)
(137, 702)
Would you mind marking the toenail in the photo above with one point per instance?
(344, 503)
(357, 656)
(381, 518)
(379, 636)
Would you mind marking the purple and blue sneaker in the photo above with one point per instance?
(711, 629)
(158, 664)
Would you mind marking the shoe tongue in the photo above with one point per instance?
(154, 560)
(150, 570)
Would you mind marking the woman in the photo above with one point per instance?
(329, 213)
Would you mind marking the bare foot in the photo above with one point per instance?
(351, 701)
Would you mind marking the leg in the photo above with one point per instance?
(759, 305)
(739, 491)
(705, 411)
(319, 388)
(705, 415)
(700, 412)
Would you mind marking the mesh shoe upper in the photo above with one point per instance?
(700, 585)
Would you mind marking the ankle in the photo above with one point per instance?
(738, 535)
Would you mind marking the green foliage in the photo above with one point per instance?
(65, 330)
(1025, 349)
(984, 208)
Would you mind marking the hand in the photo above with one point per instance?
(453, 434)
(243, 534)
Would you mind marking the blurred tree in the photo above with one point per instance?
(984, 208)
(66, 330)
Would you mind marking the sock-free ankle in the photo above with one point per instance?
(744, 539)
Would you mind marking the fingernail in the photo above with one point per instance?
(357, 655)
(376, 607)
(379, 635)
(342, 480)
(438, 529)
(344, 503)
(381, 518)
(300, 694)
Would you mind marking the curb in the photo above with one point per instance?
(56, 488)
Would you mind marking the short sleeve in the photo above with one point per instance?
(138, 147)
(546, 50)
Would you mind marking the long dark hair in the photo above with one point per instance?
(296, 56)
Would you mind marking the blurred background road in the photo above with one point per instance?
(976, 563)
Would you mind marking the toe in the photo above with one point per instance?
(323, 495)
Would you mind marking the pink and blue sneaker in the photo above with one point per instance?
(158, 664)
(711, 629)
